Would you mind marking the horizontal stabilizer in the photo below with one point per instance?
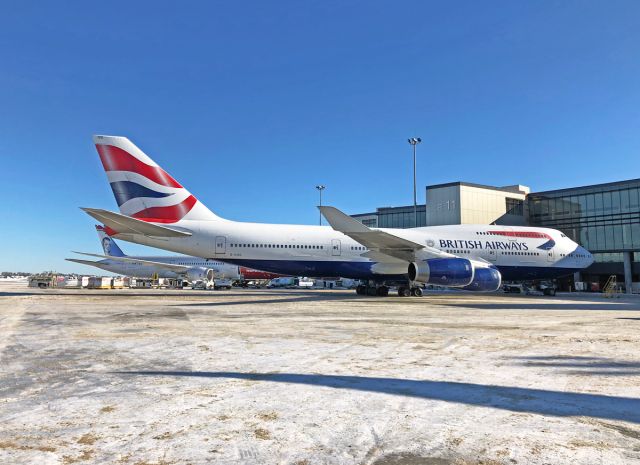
(166, 266)
(123, 224)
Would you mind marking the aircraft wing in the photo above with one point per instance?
(378, 242)
(124, 224)
(166, 266)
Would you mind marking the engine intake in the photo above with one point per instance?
(486, 279)
(454, 272)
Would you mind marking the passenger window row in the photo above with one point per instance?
(463, 252)
(277, 246)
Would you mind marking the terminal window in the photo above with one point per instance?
(514, 206)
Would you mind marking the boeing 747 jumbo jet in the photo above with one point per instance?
(156, 210)
(189, 268)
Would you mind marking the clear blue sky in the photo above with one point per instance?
(251, 104)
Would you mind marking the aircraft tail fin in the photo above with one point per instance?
(142, 189)
(108, 244)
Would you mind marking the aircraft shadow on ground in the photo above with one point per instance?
(53, 293)
(579, 365)
(516, 399)
(297, 298)
(546, 305)
(16, 294)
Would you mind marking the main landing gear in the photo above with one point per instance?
(372, 290)
(409, 291)
(381, 290)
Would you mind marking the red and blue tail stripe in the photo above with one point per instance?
(169, 214)
(115, 159)
(127, 190)
(141, 188)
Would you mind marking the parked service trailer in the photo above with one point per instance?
(44, 280)
(47, 280)
(99, 282)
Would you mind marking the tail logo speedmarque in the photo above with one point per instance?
(142, 189)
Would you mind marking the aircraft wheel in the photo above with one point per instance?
(404, 292)
(416, 291)
(360, 290)
(383, 291)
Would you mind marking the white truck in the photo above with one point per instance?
(222, 283)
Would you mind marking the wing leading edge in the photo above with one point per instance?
(377, 241)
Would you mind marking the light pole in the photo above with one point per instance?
(320, 188)
(414, 141)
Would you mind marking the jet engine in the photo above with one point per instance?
(485, 279)
(455, 272)
(199, 272)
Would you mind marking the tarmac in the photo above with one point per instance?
(317, 377)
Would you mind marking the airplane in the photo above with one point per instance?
(158, 211)
(185, 267)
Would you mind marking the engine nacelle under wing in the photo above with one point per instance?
(454, 272)
(199, 272)
(486, 279)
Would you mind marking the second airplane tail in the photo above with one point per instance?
(142, 189)
(108, 245)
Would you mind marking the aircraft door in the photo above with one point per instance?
(221, 245)
(335, 247)
(491, 255)
(549, 255)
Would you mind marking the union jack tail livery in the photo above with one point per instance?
(142, 189)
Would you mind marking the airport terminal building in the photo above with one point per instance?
(604, 218)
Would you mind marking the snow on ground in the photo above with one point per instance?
(317, 377)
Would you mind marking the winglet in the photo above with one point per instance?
(342, 222)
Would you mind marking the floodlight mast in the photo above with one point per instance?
(414, 141)
(320, 188)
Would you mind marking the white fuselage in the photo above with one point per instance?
(141, 270)
(318, 251)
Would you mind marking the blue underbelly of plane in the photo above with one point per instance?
(362, 270)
